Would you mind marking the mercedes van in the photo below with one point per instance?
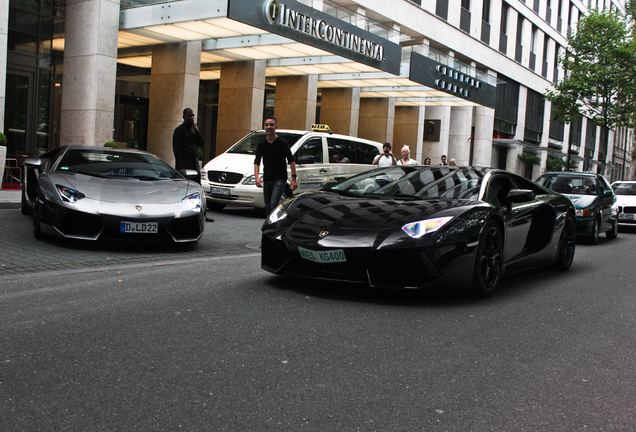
(321, 156)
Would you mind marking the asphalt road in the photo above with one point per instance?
(215, 343)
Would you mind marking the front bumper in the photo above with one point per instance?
(237, 194)
(395, 268)
(63, 221)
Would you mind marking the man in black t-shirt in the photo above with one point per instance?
(275, 153)
(186, 140)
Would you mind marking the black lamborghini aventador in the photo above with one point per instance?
(420, 227)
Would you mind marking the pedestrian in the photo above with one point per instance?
(443, 160)
(385, 159)
(451, 162)
(427, 161)
(186, 140)
(406, 157)
(275, 153)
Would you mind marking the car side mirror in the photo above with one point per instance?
(305, 159)
(519, 196)
(33, 162)
(191, 174)
(607, 192)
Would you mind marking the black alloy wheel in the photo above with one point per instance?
(567, 244)
(25, 209)
(488, 261)
(37, 230)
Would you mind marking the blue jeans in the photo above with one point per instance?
(272, 191)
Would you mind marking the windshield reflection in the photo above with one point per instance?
(408, 182)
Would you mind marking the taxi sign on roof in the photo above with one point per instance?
(321, 128)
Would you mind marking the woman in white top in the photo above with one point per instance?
(386, 159)
(406, 157)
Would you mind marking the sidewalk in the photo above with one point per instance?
(9, 199)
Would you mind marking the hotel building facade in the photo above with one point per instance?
(462, 78)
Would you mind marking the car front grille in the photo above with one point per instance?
(627, 209)
(224, 177)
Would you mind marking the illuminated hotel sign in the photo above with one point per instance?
(301, 23)
(431, 73)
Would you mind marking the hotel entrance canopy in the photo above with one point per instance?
(295, 39)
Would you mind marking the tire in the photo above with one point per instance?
(567, 244)
(215, 206)
(25, 209)
(613, 233)
(37, 230)
(596, 227)
(488, 261)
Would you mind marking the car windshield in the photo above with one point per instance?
(113, 163)
(248, 144)
(569, 184)
(624, 188)
(409, 182)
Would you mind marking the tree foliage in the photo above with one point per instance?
(599, 82)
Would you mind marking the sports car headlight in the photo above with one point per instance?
(68, 194)
(193, 200)
(278, 214)
(418, 229)
(583, 212)
(203, 175)
(251, 180)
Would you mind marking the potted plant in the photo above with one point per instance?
(111, 144)
(529, 159)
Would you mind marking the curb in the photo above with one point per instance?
(9, 205)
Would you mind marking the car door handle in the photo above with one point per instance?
(323, 170)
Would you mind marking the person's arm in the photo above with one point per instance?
(198, 136)
(377, 159)
(294, 182)
(257, 166)
(394, 160)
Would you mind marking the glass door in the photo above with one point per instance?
(18, 115)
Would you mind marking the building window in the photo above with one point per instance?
(506, 106)
(533, 47)
(441, 9)
(559, 16)
(544, 63)
(519, 47)
(536, 6)
(575, 135)
(485, 23)
(557, 130)
(503, 29)
(535, 109)
(548, 11)
(464, 18)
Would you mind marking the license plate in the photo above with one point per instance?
(328, 256)
(219, 191)
(628, 216)
(314, 185)
(139, 227)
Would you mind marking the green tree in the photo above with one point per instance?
(599, 82)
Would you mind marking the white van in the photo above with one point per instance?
(229, 177)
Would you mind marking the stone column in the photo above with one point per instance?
(340, 109)
(435, 149)
(4, 30)
(90, 67)
(241, 100)
(459, 135)
(409, 130)
(377, 116)
(482, 137)
(174, 86)
(295, 106)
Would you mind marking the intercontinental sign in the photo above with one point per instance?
(304, 24)
(431, 73)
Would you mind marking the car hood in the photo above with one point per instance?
(126, 190)
(582, 201)
(626, 200)
(330, 220)
(233, 162)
